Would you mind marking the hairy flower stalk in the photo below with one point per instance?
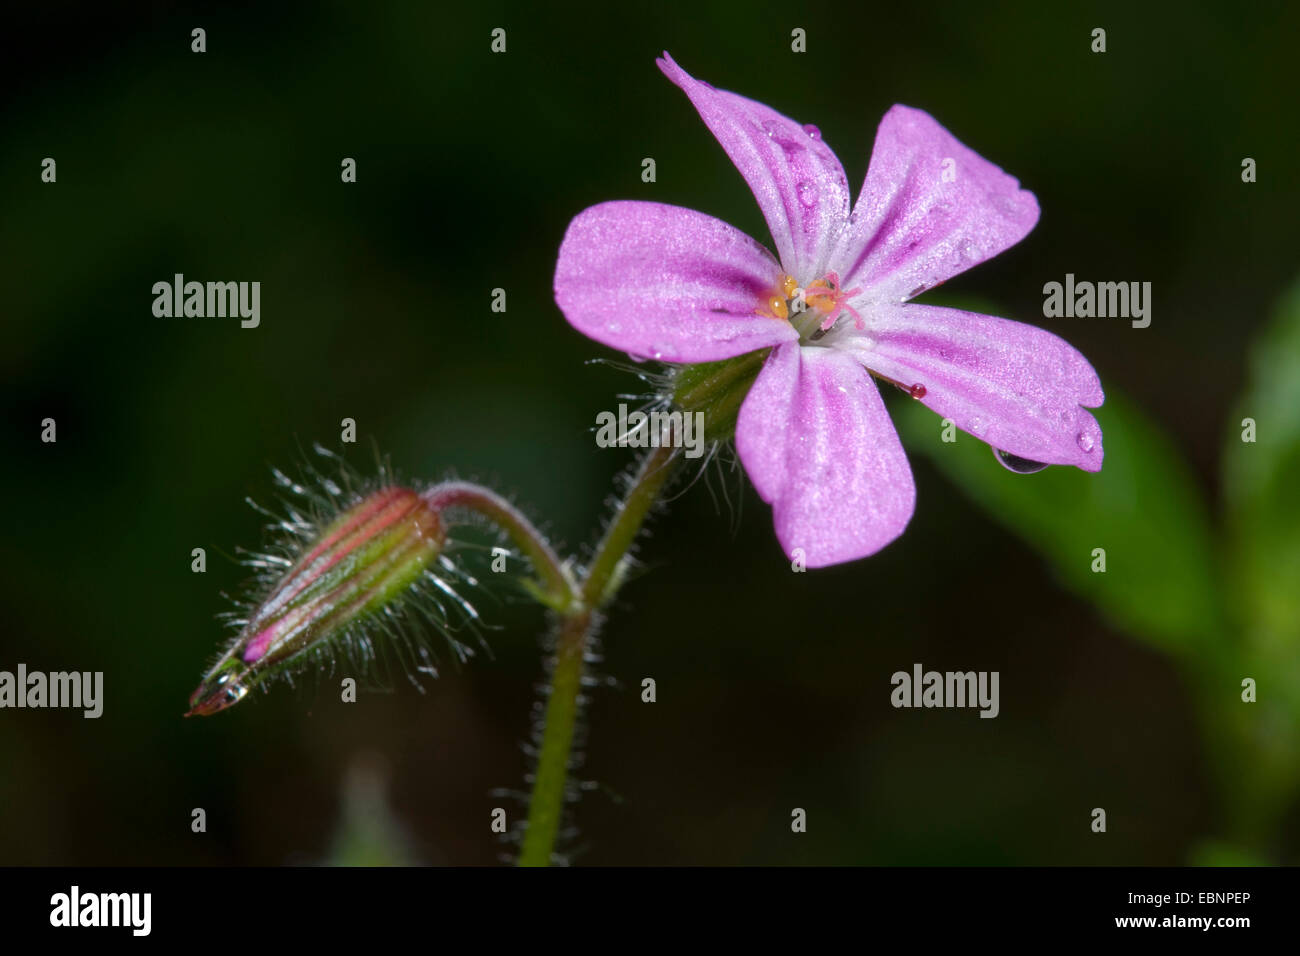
(555, 587)
(573, 640)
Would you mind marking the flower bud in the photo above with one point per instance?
(362, 563)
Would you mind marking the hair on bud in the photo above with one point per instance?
(355, 568)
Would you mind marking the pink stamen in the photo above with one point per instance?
(838, 304)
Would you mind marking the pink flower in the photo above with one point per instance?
(676, 285)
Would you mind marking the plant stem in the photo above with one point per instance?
(557, 588)
(577, 625)
(550, 780)
(655, 470)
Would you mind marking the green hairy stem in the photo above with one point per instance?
(576, 628)
(577, 603)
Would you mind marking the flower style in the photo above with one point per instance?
(676, 285)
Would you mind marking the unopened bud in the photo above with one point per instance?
(361, 564)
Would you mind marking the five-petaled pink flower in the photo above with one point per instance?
(673, 284)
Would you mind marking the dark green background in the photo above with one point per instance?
(773, 687)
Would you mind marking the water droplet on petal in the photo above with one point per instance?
(917, 391)
(770, 127)
(812, 131)
(807, 190)
(1021, 466)
(968, 250)
(1085, 441)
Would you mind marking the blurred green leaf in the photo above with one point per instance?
(1143, 508)
(1262, 480)
(1262, 496)
(1219, 853)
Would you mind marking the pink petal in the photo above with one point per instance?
(847, 490)
(764, 421)
(930, 208)
(1012, 385)
(796, 178)
(666, 283)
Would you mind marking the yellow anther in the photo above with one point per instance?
(821, 295)
(777, 308)
(776, 304)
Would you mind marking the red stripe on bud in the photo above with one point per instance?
(364, 561)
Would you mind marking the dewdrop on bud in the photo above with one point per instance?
(360, 566)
